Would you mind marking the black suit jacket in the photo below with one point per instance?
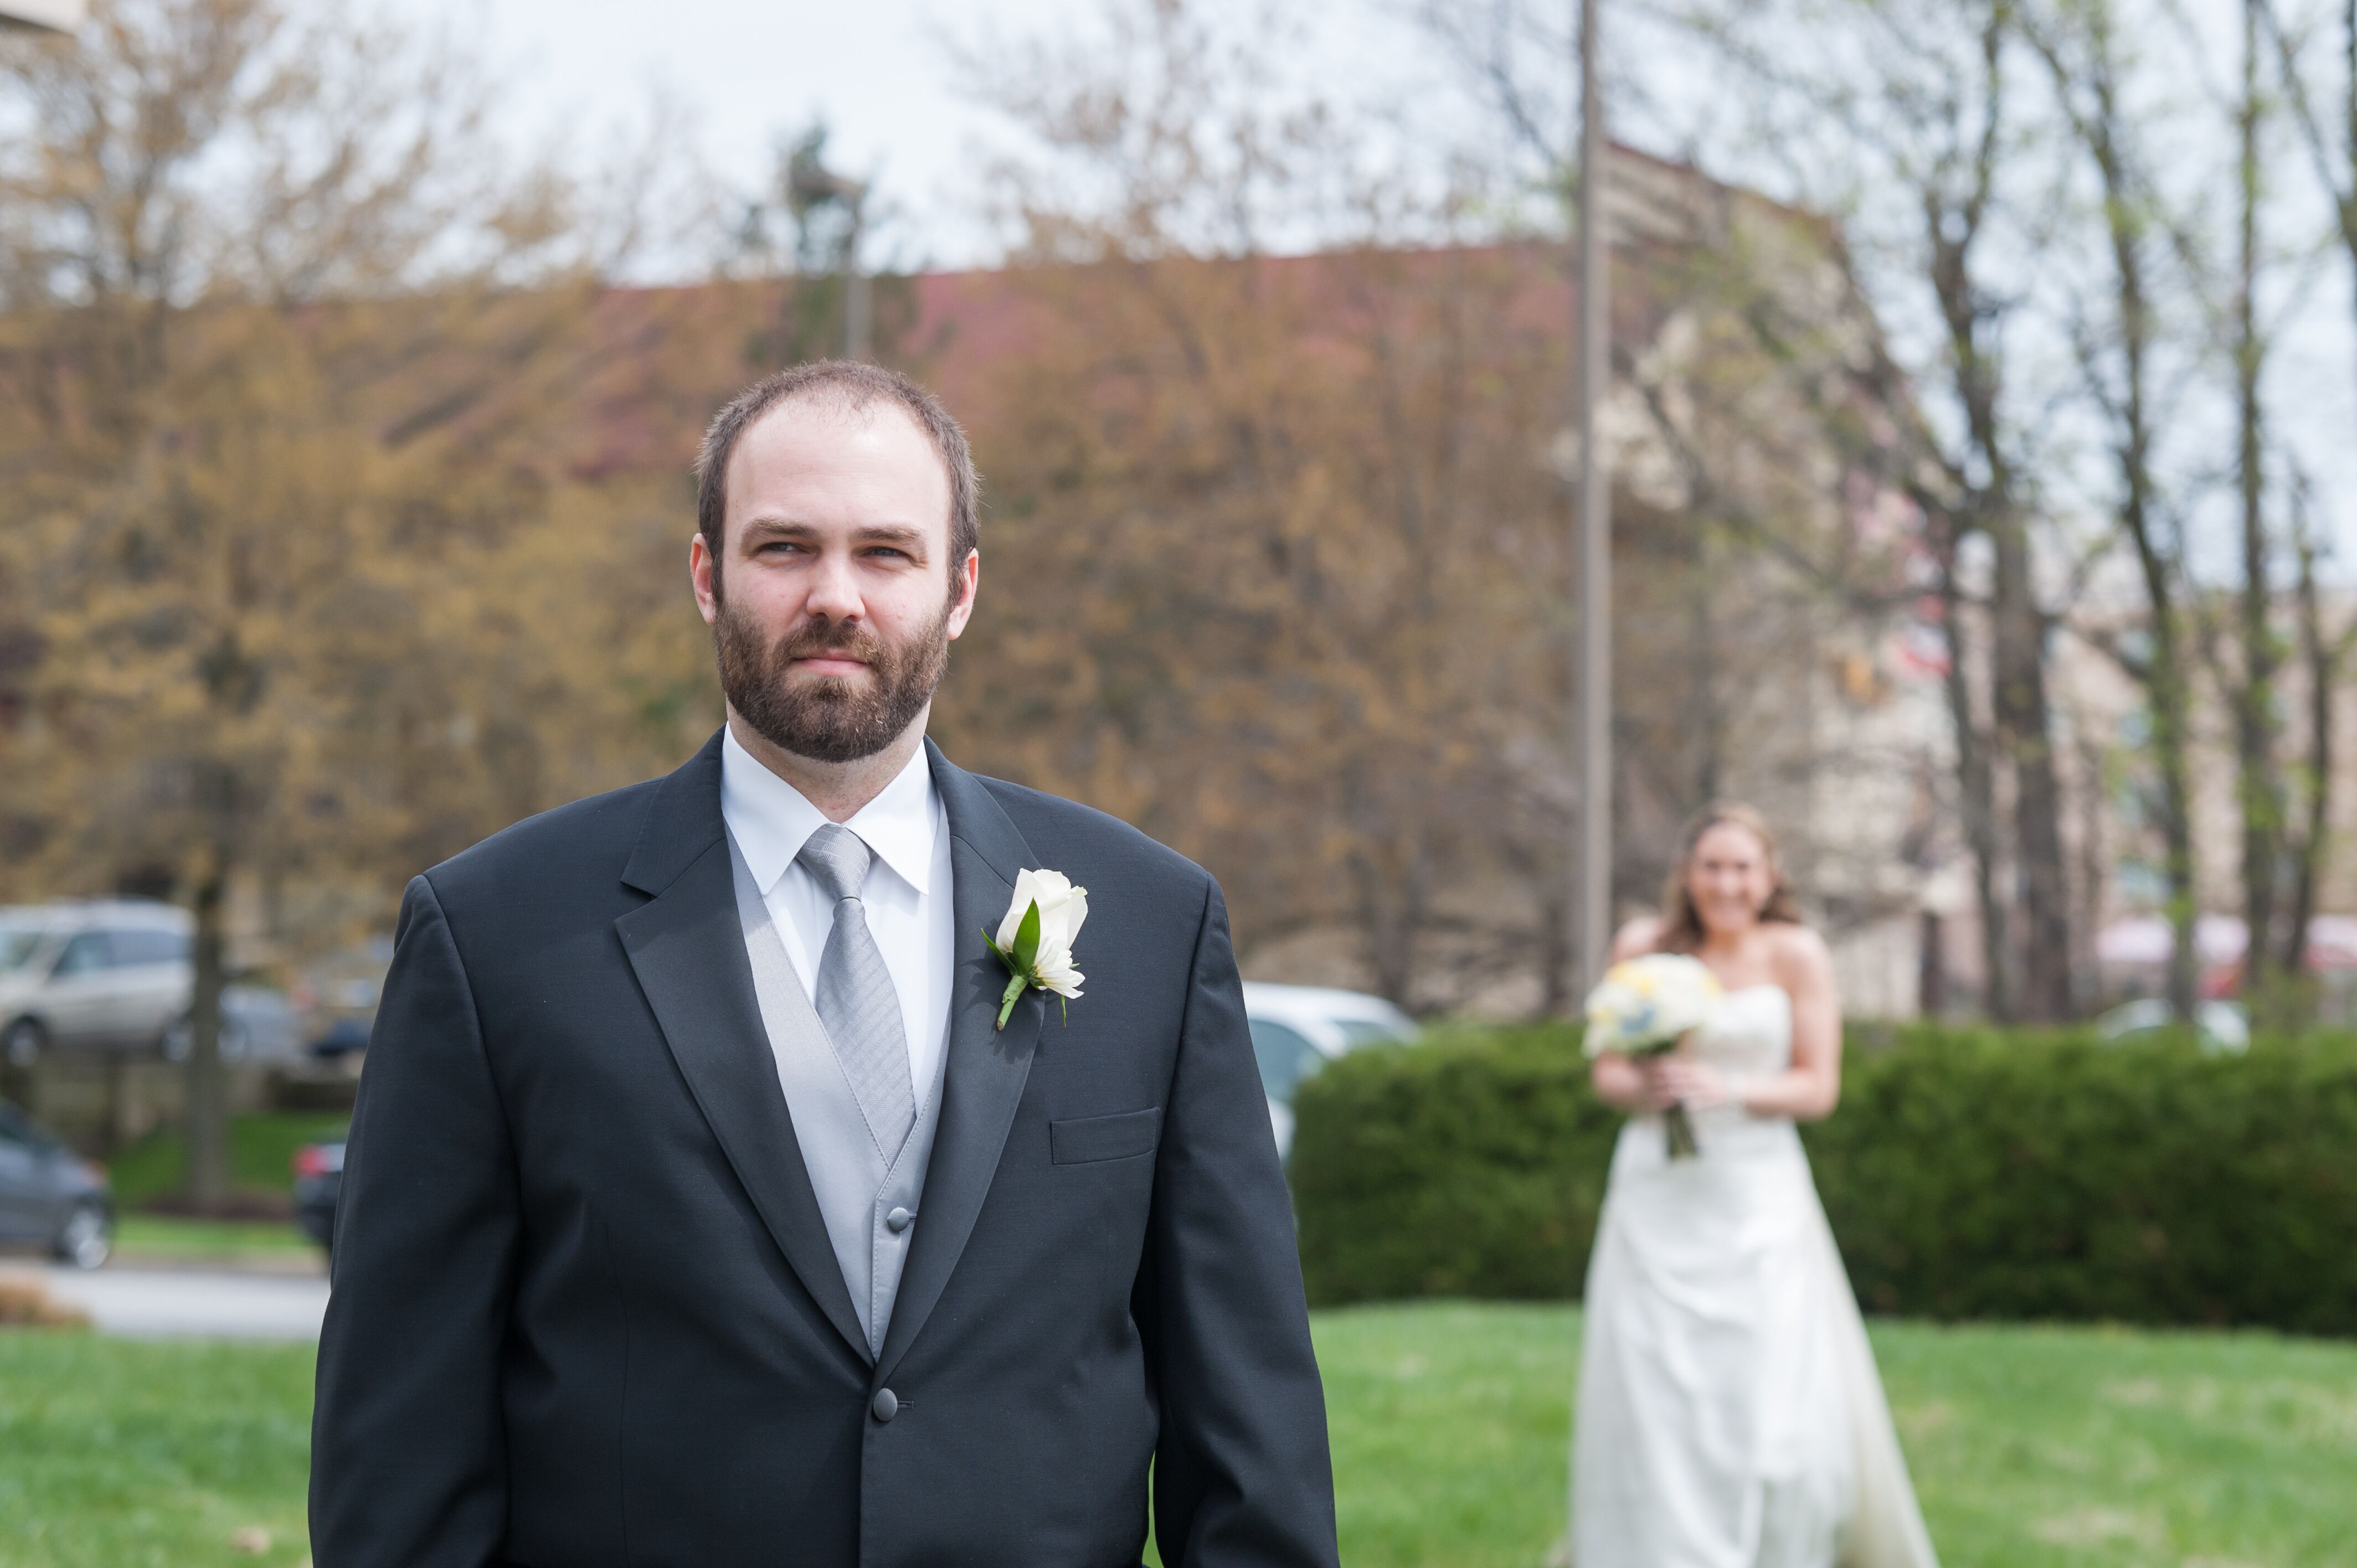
(585, 1309)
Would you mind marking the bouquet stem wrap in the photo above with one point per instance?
(1679, 1127)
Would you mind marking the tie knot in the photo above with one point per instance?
(838, 858)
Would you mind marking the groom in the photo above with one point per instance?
(697, 1212)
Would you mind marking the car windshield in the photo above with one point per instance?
(1368, 1032)
(17, 947)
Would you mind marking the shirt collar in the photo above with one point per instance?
(772, 819)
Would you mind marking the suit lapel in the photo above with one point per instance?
(687, 947)
(987, 1067)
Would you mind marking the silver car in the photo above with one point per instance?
(112, 975)
(1297, 1029)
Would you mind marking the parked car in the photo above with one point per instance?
(1297, 1029)
(2222, 1028)
(338, 995)
(258, 1024)
(48, 1197)
(111, 975)
(318, 1177)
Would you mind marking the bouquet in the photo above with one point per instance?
(1644, 1009)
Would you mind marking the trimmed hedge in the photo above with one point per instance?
(1967, 1173)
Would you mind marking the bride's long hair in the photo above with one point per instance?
(1682, 927)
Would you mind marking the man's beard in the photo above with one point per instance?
(829, 718)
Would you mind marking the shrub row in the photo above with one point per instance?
(1967, 1173)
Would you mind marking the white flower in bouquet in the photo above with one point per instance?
(1644, 1007)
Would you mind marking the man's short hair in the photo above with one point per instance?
(851, 386)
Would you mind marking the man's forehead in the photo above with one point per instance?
(827, 416)
(817, 432)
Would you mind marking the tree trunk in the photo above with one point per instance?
(2167, 696)
(1556, 997)
(2258, 786)
(1953, 224)
(2024, 725)
(1702, 705)
(2162, 673)
(1932, 966)
(116, 1130)
(208, 1170)
(1977, 786)
(2087, 923)
(2322, 658)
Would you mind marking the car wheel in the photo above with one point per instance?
(24, 1042)
(87, 1238)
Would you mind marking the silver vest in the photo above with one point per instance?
(859, 1190)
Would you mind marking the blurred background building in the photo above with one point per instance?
(345, 448)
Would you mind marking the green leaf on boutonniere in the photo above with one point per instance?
(1020, 959)
(1027, 941)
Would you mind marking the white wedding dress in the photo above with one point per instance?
(1729, 1412)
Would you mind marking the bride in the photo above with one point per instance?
(1729, 1414)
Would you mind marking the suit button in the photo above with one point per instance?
(884, 1405)
(899, 1219)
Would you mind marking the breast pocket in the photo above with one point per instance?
(1086, 1140)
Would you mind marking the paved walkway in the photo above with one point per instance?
(192, 1304)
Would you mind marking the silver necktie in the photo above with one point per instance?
(855, 1000)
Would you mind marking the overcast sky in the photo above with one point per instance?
(880, 74)
(751, 71)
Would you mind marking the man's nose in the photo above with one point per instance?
(833, 590)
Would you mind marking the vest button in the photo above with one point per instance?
(884, 1405)
(899, 1219)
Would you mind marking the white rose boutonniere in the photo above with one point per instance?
(1035, 940)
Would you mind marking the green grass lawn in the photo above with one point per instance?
(2032, 1447)
(121, 1453)
(261, 1152)
(165, 1237)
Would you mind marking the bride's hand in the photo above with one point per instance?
(1660, 1079)
(1697, 1085)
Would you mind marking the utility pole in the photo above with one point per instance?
(810, 184)
(1592, 720)
(856, 311)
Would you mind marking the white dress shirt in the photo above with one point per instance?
(911, 909)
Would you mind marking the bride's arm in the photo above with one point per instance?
(1812, 1088)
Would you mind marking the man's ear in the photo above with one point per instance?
(968, 580)
(704, 577)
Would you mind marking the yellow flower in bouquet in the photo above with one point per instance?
(1644, 1007)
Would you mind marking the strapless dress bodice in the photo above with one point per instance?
(1750, 1034)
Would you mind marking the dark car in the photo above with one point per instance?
(337, 996)
(51, 1198)
(319, 1176)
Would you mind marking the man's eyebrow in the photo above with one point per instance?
(901, 535)
(777, 525)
